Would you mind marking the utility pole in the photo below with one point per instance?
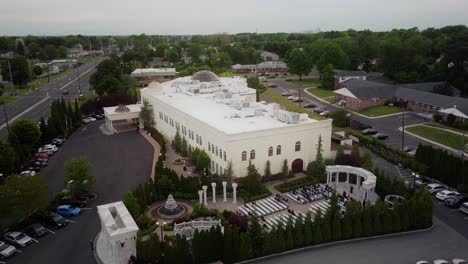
(11, 76)
(403, 129)
(48, 73)
(79, 84)
(6, 119)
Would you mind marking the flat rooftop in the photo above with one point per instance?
(153, 72)
(224, 105)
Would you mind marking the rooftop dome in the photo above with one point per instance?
(205, 76)
(154, 85)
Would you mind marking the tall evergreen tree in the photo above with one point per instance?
(228, 254)
(246, 251)
(308, 235)
(255, 232)
(267, 173)
(299, 232)
(336, 227)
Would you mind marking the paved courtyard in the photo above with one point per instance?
(120, 163)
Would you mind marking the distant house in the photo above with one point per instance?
(62, 64)
(357, 95)
(269, 56)
(149, 75)
(342, 76)
(266, 67)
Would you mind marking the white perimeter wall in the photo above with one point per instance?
(235, 144)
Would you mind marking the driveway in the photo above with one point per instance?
(120, 163)
(440, 242)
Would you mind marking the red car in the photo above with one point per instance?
(41, 156)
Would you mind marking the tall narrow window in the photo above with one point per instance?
(244, 155)
(209, 146)
(278, 150)
(298, 146)
(270, 151)
(252, 154)
(224, 155)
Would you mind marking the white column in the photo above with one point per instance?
(200, 196)
(205, 201)
(234, 194)
(213, 186)
(224, 191)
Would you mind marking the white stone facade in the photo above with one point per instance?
(223, 118)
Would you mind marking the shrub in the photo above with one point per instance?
(295, 184)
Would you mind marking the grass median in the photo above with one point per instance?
(449, 139)
(381, 110)
(274, 97)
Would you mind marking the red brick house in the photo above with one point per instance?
(266, 67)
(342, 76)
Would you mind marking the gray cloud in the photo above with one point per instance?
(101, 17)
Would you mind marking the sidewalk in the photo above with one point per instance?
(157, 150)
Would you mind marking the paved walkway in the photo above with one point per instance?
(156, 147)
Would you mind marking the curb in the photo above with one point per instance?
(337, 243)
(96, 257)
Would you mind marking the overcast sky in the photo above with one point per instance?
(103, 17)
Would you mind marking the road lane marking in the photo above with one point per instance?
(19, 251)
(50, 231)
(35, 240)
(71, 221)
(12, 120)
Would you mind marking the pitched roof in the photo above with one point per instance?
(344, 73)
(431, 87)
(438, 100)
(364, 89)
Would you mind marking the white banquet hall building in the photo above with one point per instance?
(220, 115)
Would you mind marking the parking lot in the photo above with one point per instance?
(120, 163)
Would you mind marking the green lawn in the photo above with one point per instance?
(321, 93)
(440, 136)
(229, 74)
(380, 110)
(4, 100)
(305, 82)
(274, 97)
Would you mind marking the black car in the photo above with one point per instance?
(40, 162)
(319, 110)
(35, 230)
(369, 131)
(456, 202)
(65, 92)
(380, 136)
(53, 219)
(310, 106)
(73, 201)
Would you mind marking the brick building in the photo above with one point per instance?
(149, 75)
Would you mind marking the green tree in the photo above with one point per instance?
(246, 251)
(299, 63)
(328, 77)
(177, 141)
(341, 118)
(308, 233)
(356, 153)
(317, 228)
(285, 169)
(20, 72)
(23, 137)
(336, 227)
(7, 159)
(367, 229)
(132, 205)
(79, 176)
(267, 173)
(256, 235)
(228, 254)
(252, 183)
(228, 173)
(20, 49)
(147, 115)
(183, 147)
(21, 196)
(367, 160)
(50, 52)
(2, 88)
(37, 70)
(171, 55)
(317, 167)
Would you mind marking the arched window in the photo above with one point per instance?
(252, 154)
(224, 154)
(278, 150)
(298, 146)
(244, 155)
(270, 151)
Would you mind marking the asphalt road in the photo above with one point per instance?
(120, 163)
(37, 103)
(442, 242)
(386, 125)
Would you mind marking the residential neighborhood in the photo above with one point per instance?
(246, 132)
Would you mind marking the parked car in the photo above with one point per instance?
(58, 141)
(434, 188)
(422, 262)
(40, 163)
(464, 207)
(6, 250)
(297, 100)
(28, 173)
(70, 200)
(380, 136)
(31, 166)
(369, 131)
(441, 261)
(459, 261)
(98, 116)
(286, 94)
(272, 85)
(86, 120)
(18, 238)
(35, 230)
(291, 97)
(309, 105)
(67, 210)
(48, 149)
(92, 119)
(456, 202)
(53, 219)
(442, 195)
(40, 156)
(65, 92)
(319, 110)
(325, 113)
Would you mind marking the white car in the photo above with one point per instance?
(459, 261)
(86, 120)
(18, 238)
(6, 250)
(48, 149)
(292, 97)
(92, 119)
(28, 173)
(286, 94)
(441, 261)
(464, 208)
(434, 188)
(443, 195)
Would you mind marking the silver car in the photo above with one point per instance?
(18, 238)
(6, 250)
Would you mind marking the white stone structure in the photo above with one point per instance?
(234, 193)
(224, 191)
(200, 196)
(122, 118)
(116, 242)
(205, 200)
(213, 186)
(220, 116)
(187, 229)
(346, 178)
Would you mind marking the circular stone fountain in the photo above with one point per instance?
(171, 209)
